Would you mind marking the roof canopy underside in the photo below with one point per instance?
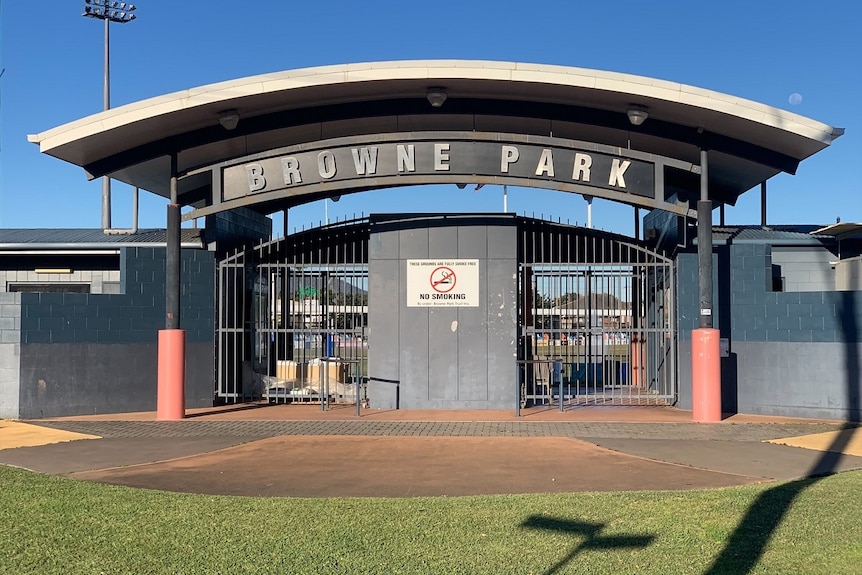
(748, 142)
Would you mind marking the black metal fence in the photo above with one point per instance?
(292, 317)
(596, 319)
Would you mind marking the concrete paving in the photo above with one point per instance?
(17, 434)
(108, 453)
(302, 451)
(760, 459)
(848, 439)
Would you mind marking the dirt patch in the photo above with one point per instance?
(316, 466)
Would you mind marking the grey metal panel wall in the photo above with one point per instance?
(414, 326)
(683, 354)
(471, 329)
(384, 291)
(473, 359)
(90, 378)
(816, 380)
(453, 358)
(442, 339)
(502, 314)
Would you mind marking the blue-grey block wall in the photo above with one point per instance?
(791, 353)
(443, 358)
(97, 353)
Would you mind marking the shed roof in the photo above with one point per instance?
(87, 238)
(841, 230)
(778, 234)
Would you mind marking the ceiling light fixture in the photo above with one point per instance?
(637, 114)
(228, 119)
(436, 96)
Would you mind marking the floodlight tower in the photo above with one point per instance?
(121, 13)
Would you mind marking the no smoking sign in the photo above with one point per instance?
(443, 279)
(442, 283)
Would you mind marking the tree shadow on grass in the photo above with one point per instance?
(590, 535)
(746, 545)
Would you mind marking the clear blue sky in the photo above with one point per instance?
(763, 50)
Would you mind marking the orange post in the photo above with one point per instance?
(171, 402)
(705, 375)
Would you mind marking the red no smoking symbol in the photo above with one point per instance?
(442, 279)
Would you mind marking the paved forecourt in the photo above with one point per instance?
(296, 451)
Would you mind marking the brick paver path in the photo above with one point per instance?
(576, 430)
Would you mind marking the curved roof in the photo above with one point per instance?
(749, 142)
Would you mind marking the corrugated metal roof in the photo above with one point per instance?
(803, 234)
(81, 237)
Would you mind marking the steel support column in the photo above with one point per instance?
(172, 269)
(706, 366)
(704, 263)
(171, 380)
(172, 255)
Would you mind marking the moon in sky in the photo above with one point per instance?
(795, 99)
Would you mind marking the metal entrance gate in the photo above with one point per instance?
(292, 317)
(596, 319)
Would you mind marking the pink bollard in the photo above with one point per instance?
(171, 400)
(705, 375)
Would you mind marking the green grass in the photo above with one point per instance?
(56, 525)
